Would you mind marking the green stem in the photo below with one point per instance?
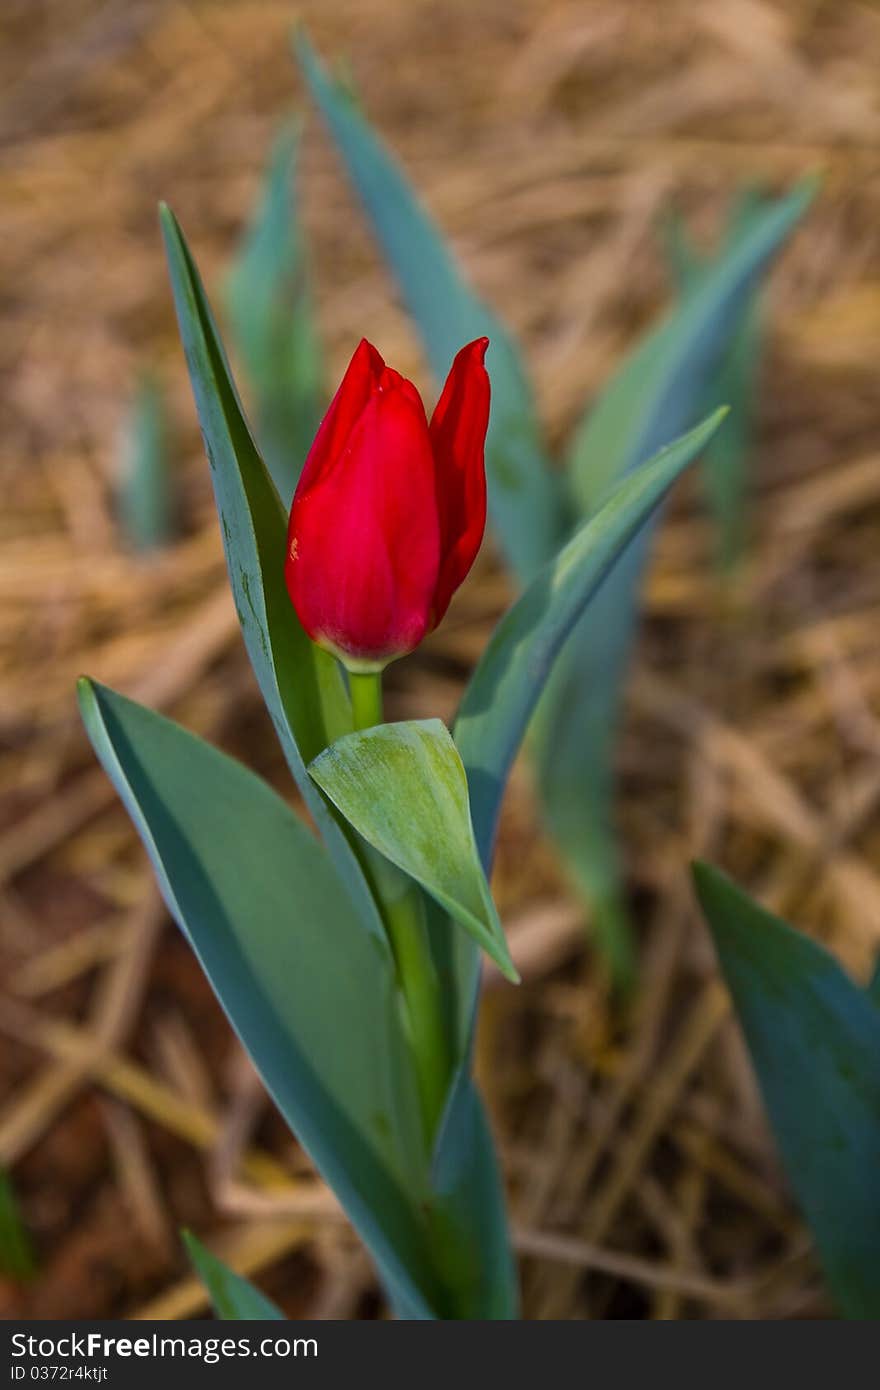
(420, 988)
(366, 698)
(404, 916)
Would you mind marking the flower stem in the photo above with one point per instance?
(420, 988)
(404, 915)
(366, 698)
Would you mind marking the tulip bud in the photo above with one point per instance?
(390, 511)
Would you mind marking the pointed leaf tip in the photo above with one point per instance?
(814, 1039)
(403, 788)
(233, 1296)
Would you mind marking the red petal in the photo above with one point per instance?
(361, 378)
(363, 543)
(458, 436)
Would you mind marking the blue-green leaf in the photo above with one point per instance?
(270, 312)
(231, 1294)
(653, 397)
(524, 493)
(657, 394)
(145, 497)
(310, 993)
(814, 1037)
(470, 1220)
(514, 668)
(734, 382)
(512, 672)
(301, 684)
(874, 986)
(403, 788)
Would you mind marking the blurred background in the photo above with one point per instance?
(547, 137)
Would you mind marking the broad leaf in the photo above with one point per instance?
(403, 788)
(301, 684)
(658, 393)
(524, 493)
(231, 1294)
(469, 1215)
(310, 993)
(814, 1037)
(513, 669)
(512, 673)
(270, 312)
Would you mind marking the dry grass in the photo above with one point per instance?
(546, 135)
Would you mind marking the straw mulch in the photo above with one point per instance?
(546, 135)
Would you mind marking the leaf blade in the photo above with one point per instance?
(300, 683)
(656, 395)
(272, 320)
(511, 674)
(233, 1296)
(814, 1038)
(403, 788)
(228, 891)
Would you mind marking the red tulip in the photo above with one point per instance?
(390, 511)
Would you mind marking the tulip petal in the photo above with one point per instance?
(354, 391)
(364, 542)
(458, 436)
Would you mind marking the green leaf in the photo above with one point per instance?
(301, 684)
(657, 394)
(513, 669)
(874, 986)
(734, 381)
(470, 1219)
(403, 788)
(524, 492)
(232, 1296)
(270, 312)
(146, 508)
(814, 1037)
(310, 993)
(16, 1252)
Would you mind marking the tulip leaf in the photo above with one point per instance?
(270, 313)
(814, 1038)
(232, 1295)
(301, 684)
(514, 668)
(470, 1215)
(734, 381)
(656, 395)
(259, 901)
(656, 391)
(145, 495)
(874, 986)
(524, 492)
(403, 788)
